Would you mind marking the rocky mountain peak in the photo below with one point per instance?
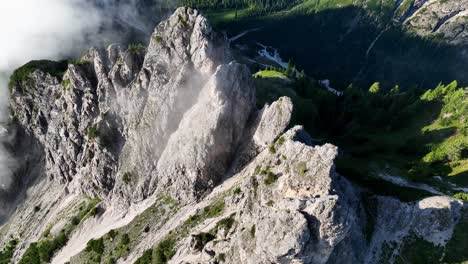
(118, 104)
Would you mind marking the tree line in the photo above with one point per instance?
(254, 5)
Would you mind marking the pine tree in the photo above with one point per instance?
(375, 88)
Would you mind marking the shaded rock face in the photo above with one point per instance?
(27, 163)
(177, 119)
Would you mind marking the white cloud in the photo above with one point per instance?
(43, 29)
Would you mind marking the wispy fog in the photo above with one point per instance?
(43, 29)
(7, 163)
(37, 29)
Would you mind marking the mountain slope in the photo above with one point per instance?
(406, 43)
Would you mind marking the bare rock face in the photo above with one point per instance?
(63, 117)
(183, 54)
(274, 119)
(116, 110)
(203, 146)
(444, 20)
(289, 207)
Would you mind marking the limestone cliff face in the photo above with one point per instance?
(115, 111)
(290, 206)
(444, 20)
(168, 141)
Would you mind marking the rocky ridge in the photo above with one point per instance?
(440, 20)
(169, 140)
(445, 20)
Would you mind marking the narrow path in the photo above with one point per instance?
(405, 183)
(242, 34)
(375, 41)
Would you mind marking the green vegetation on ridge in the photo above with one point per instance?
(7, 253)
(23, 73)
(166, 248)
(417, 134)
(118, 243)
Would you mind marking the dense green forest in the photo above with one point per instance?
(258, 6)
(348, 42)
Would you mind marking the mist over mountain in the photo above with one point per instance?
(63, 30)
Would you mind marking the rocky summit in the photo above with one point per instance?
(159, 154)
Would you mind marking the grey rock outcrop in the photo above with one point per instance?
(208, 135)
(273, 121)
(290, 209)
(61, 116)
(433, 220)
(183, 54)
(444, 20)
